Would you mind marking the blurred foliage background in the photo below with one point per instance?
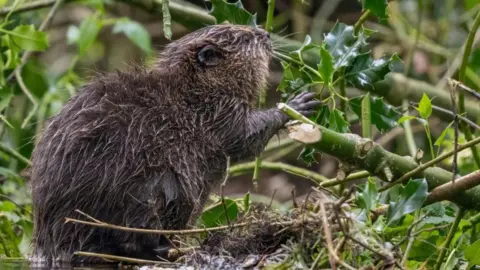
(68, 42)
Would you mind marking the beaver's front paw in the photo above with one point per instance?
(304, 103)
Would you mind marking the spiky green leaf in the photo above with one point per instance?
(234, 13)
(364, 71)
(384, 116)
(343, 45)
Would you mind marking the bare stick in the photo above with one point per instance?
(172, 232)
(222, 187)
(120, 258)
(451, 189)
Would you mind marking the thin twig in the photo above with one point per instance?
(453, 96)
(459, 85)
(27, 7)
(429, 164)
(222, 187)
(451, 234)
(328, 237)
(445, 111)
(123, 259)
(172, 232)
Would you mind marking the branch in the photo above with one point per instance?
(451, 189)
(388, 166)
(27, 7)
(122, 259)
(430, 163)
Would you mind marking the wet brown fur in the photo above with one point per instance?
(144, 148)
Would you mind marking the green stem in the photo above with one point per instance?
(342, 85)
(256, 172)
(350, 177)
(461, 78)
(246, 167)
(270, 11)
(359, 23)
(366, 117)
(451, 234)
(14, 154)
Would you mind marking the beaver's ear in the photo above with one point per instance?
(209, 55)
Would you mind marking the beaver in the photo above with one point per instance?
(144, 148)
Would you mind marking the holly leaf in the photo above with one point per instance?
(425, 107)
(377, 7)
(337, 122)
(364, 71)
(294, 79)
(135, 32)
(27, 38)
(234, 13)
(325, 67)
(343, 45)
(410, 199)
(306, 45)
(323, 115)
(367, 197)
(384, 116)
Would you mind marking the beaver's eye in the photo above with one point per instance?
(209, 55)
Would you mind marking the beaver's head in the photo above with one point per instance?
(224, 58)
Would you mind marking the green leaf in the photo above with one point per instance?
(367, 197)
(337, 122)
(234, 13)
(87, 33)
(135, 32)
(377, 7)
(294, 79)
(27, 38)
(406, 118)
(425, 107)
(343, 45)
(7, 206)
(306, 46)
(384, 116)
(472, 254)
(215, 216)
(308, 155)
(323, 115)
(364, 71)
(325, 67)
(410, 199)
(441, 138)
